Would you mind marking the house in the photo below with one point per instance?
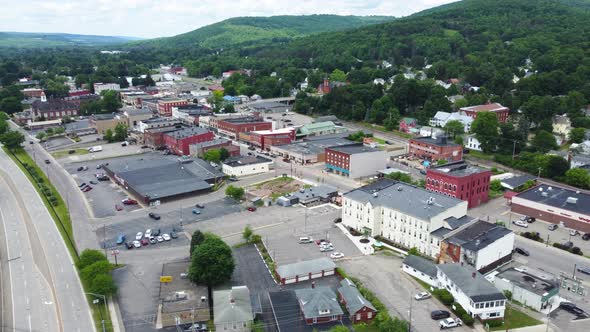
(562, 125)
(179, 141)
(357, 306)
(231, 100)
(430, 131)
(378, 81)
(402, 213)
(460, 180)
(100, 87)
(406, 123)
(472, 291)
(421, 268)
(319, 305)
(319, 129)
(472, 143)
(309, 196)
(355, 160)
(305, 270)
(232, 127)
(232, 309)
(482, 245)
(244, 166)
(501, 112)
(535, 289)
(326, 86)
(432, 150)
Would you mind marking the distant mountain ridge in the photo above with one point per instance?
(39, 40)
(253, 30)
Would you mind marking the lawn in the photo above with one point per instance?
(64, 153)
(60, 212)
(516, 319)
(479, 155)
(494, 194)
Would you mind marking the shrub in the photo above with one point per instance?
(255, 239)
(467, 319)
(89, 257)
(444, 296)
(493, 322)
(577, 251)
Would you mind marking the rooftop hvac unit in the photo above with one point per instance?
(571, 200)
(544, 194)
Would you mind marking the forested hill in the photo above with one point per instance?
(40, 40)
(248, 30)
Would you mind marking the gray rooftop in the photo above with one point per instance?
(314, 300)
(355, 301)
(188, 132)
(458, 169)
(558, 197)
(421, 264)
(455, 223)
(403, 197)
(238, 311)
(439, 141)
(213, 142)
(246, 160)
(305, 267)
(137, 111)
(479, 235)
(471, 282)
(322, 191)
(529, 281)
(317, 146)
(517, 181)
(353, 148)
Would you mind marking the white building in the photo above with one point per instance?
(441, 119)
(402, 213)
(100, 87)
(243, 166)
(379, 81)
(472, 291)
(472, 143)
(430, 131)
(534, 289)
(421, 268)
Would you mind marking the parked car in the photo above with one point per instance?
(327, 247)
(440, 314)
(336, 255)
(156, 232)
(129, 201)
(305, 239)
(102, 178)
(153, 240)
(567, 245)
(574, 232)
(148, 233)
(47, 161)
(521, 251)
(251, 148)
(233, 179)
(586, 236)
(422, 296)
(173, 235)
(144, 242)
(450, 323)
(93, 182)
(138, 236)
(196, 211)
(137, 244)
(80, 169)
(121, 238)
(160, 239)
(531, 220)
(81, 185)
(523, 218)
(520, 223)
(166, 237)
(129, 245)
(251, 208)
(552, 227)
(154, 216)
(87, 189)
(337, 220)
(583, 269)
(98, 166)
(571, 308)
(200, 206)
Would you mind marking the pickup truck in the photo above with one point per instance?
(450, 323)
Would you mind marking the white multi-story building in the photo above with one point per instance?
(472, 291)
(100, 87)
(441, 119)
(402, 213)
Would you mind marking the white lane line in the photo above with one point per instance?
(30, 324)
(9, 271)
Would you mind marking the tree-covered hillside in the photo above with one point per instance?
(247, 30)
(42, 40)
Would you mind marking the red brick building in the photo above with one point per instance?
(501, 112)
(199, 149)
(165, 105)
(154, 137)
(359, 308)
(179, 141)
(232, 127)
(461, 181)
(264, 139)
(431, 149)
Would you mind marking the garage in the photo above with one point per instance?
(305, 270)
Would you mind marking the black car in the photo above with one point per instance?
(530, 219)
(156, 232)
(571, 308)
(83, 184)
(251, 148)
(129, 245)
(521, 251)
(585, 270)
(586, 236)
(200, 206)
(439, 314)
(47, 161)
(80, 169)
(173, 235)
(337, 220)
(154, 216)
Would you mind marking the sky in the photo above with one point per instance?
(161, 18)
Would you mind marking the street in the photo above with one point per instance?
(46, 293)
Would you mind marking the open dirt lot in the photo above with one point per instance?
(275, 187)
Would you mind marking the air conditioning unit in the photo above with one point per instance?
(180, 295)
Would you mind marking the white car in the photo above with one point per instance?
(521, 223)
(136, 244)
(422, 296)
(148, 233)
(450, 323)
(138, 236)
(337, 255)
(166, 237)
(160, 238)
(574, 232)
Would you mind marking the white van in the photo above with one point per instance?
(305, 239)
(95, 148)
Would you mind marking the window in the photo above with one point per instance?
(494, 314)
(358, 316)
(369, 314)
(324, 311)
(487, 304)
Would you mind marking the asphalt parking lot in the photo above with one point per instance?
(568, 321)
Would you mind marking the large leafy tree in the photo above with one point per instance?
(197, 238)
(212, 262)
(12, 140)
(110, 101)
(485, 128)
(577, 135)
(578, 177)
(454, 128)
(544, 141)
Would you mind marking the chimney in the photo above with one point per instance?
(313, 284)
(473, 275)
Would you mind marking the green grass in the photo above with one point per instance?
(366, 328)
(64, 153)
(65, 230)
(516, 319)
(423, 284)
(494, 194)
(277, 181)
(480, 155)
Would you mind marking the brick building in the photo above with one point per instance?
(355, 160)
(431, 149)
(264, 139)
(154, 137)
(232, 127)
(460, 180)
(165, 105)
(54, 109)
(179, 141)
(501, 112)
(199, 149)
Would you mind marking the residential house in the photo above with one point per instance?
(562, 125)
(441, 119)
(359, 309)
(319, 305)
(431, 132)
(406, 124)
(232, 309)
(472, 143)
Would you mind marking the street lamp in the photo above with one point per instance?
(96, 301)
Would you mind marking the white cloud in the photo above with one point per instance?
(156, 18)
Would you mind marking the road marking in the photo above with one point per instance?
(30, 324)
(9, 272)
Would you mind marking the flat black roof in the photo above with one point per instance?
(458, 169)
(439, 141)
(353, 148)
(558, 197)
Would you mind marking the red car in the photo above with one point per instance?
(144, 242)
(251, 208)
(87, 189)
(129, 201)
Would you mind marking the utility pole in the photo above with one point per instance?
(547, 243)
(574, 274)
(513, 149)
(410, 320)
(104, 239)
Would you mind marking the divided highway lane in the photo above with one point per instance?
(43, 278)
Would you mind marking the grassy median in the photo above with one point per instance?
(66, 153)
(61, 216)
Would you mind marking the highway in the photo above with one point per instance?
(40, 282)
